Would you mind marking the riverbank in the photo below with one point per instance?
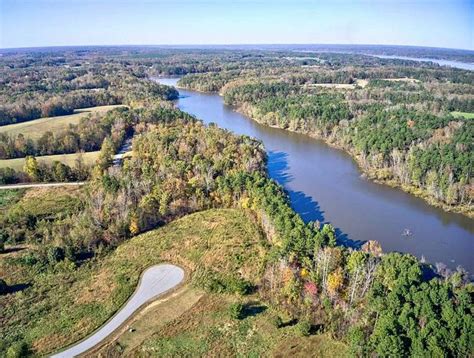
(325, 184)
(374, 174)
(382, 176)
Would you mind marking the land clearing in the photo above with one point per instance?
(206, 329)
(349, 86)
(467, 115)
(88, 158)
(402, 79)
(46, 312)
(36, 128)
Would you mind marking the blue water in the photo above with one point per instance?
(325, 184)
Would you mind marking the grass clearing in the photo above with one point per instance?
(9, 198)
(57, 307)
(402, 79)
(207, 330)
(347, 86)
(36, 128)
(89, 159)
(333, 85)
(148, 321)
(467, 115)
(48, 202)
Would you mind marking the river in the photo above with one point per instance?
(456, 64)
(325, 184)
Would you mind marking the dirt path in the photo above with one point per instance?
(39, 185)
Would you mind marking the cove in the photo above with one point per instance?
(325, 184)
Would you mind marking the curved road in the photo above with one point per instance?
(154, 281)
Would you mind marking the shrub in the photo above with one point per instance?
(55, 254)
(238, 285)
(277, 321)
(17, 350)
(304, 327)
(236, 310)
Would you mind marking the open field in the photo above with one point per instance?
(58, 307)
(154, 281)
(45, 202)
(403, 79)
(9, 197)
(333, 85)
(351, 86)
(466, 115)
(17, 164)
(35, 128)
(176, 328)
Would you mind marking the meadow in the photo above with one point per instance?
(17, 164)
(36, 128)
(467, 115)
(52, 308)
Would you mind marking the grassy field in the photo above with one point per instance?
(44, 202)
(88, 158)
(51, 309)
(35, 128)
(196, 324)
(466, 115)
(9, 197)
(54, 308)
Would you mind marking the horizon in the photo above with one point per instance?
(47, 23)
(233, 46)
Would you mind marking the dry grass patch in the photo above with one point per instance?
(322, 346)
(48, 309)
(88, 158)
(36, 128)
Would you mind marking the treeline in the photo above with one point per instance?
(86, 136)
(27, 110)
(35, 171)
(382, 304)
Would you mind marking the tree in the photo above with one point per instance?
(236, 310)
(304, 327)
(61, 172)
(31, 168)
(106, 154)
(17, 350)
(335, 281)
(55, 254)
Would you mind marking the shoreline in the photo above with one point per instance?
(369, 174)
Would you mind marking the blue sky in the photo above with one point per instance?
(439, 23)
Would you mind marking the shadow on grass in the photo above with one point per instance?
(12, 249)
(253, 309)
(17, 288)
(289, 323)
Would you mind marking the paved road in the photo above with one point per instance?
(155, 281)
(39, 185)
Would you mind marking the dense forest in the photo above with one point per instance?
(378, 304)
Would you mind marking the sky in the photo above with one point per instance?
(437, 23)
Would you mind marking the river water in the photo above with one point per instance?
(456, 64)
(325, 184)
